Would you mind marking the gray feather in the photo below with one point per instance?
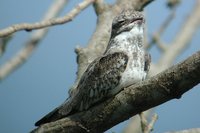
(100, 78)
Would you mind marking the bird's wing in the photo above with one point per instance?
(98, 81)
(100, 78)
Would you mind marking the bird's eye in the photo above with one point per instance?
(118, 24)
(121, 21)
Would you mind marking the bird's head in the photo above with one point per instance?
(127, 21)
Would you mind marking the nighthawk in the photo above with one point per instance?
(123, 63)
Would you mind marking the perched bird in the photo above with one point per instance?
(123, 63)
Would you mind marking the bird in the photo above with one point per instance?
(123, 63)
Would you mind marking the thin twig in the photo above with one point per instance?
(182, 39)
(3, 44)
(173, 3)
(31, 44)
(161, 45)
(157, 35)
(46, 23)
(146, 2)
(145, 126)
(143, 121)
(151, 124)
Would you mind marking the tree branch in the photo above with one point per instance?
(46, 23)
(182, 39)
(24, 53)
(170, 84)
(135, 123)
(145, 126)
(156, 38)
(3, 44)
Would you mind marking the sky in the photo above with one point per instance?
(42, 83)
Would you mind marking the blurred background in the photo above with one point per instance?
(42, 83)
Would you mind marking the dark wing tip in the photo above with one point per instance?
(58, 113)
(52, 116)
(41, 121)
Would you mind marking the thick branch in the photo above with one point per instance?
(170, 84)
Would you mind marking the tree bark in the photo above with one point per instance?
(167, 85)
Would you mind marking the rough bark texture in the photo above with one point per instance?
(169, 84)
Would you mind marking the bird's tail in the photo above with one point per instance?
(52, 116)
(60, 112)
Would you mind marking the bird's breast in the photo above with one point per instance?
(135, 69)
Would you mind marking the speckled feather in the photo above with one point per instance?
(98, 81)
(123, 63)
(96, 84)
